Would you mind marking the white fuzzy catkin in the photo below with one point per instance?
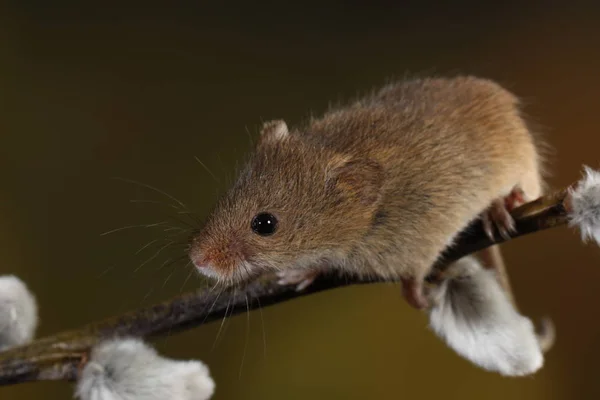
(18, 312)
(585, 205)
(129, 369)
(474, 316)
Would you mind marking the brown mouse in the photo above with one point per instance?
(379, 187)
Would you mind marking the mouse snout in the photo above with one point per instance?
(217, 259)
(201, 262)
(204, 266)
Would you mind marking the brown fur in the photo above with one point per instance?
(379, 187)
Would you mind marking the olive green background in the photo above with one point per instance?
(93, 92)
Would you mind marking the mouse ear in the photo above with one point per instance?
(361, 179)
(274, 130)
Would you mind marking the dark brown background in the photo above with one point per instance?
(90, 93)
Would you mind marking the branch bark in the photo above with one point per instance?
(60, 357)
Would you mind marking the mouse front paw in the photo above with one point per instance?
(302, 278)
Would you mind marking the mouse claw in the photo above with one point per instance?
(302, 278)
(498, 215)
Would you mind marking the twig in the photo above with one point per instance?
(61, 356)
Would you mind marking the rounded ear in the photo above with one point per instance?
(274, 130)
(360, 179)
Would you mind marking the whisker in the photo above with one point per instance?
(223, 320)
(171, 261)
(249, 136)
(179, 244)
(186, 212)
(154, 256)
(183, 222)
(133, 226)
(207, 169)
(145, 185)
(161, 203)
(174, 228)
(150, 243)
(247, 336)
(167, 261)
(191, 215)
(264, 332)
(110, 268)
(214, 302)
(188, 277)
(173, 232)
(148, 294)
(170, 275)
(153, 288)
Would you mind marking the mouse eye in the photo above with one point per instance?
(264, 224)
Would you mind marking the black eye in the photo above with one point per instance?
(264, 224)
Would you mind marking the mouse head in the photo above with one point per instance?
(294, 203)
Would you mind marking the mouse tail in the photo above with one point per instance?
(546, 334)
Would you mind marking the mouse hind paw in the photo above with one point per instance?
(498, 215)
(413, 293)
(302, 278)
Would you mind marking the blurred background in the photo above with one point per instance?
(91, 93)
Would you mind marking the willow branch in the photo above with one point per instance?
(61, 356)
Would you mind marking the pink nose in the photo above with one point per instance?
(198, 259)
(200, 262)
(206, 268)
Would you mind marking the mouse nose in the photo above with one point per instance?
(218, 257)
(200, 261)
(206, 266)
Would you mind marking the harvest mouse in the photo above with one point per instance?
(379, 187)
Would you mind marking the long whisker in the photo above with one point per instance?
(207, 169)
(171, 274)
(224, 319)
(148, 293)
(133, 226)
(249, 136)
(106, 270)
(186, 212)
(214, 302)
(183, 222)
(264, 332)
(145, 185)
(154, 255)
(150, 243)
(175, 228)
(247, 336)
(190, 214)
(161, 203)
(171, 261)
(153, 288)
(167, 261)
(189, 275)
